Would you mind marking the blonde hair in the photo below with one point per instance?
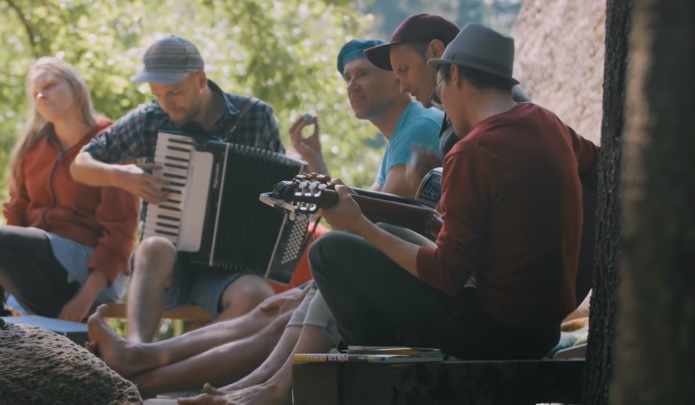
(37, 126)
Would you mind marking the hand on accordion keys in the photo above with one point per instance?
(135, 179)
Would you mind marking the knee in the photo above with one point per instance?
(156, 245)
(157, 254)
(320, 250)
(329, 251)
(246, 292)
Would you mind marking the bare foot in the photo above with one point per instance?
(263, 394)
(123, 356)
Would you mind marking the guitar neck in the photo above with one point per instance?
(422, 220)
(306, 196)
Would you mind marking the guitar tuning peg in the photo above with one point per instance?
(313, 185)
(303, 184)
(323, 186)
(293, 216)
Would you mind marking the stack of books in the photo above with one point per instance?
(374, 354)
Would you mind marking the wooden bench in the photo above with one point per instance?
(450, 382)
(196, 315)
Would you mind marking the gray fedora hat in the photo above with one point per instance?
(169, 60)
(481, 48)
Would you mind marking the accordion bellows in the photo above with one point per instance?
(213, 214)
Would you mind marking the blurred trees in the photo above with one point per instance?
(499, 14)
(282, 52)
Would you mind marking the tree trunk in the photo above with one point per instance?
(607, 252)
(655, 346)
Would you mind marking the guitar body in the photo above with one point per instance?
(396, 210)
(430, 191)
(307, 193)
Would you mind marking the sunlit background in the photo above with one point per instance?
(280, 51)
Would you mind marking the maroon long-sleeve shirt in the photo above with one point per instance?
(511, 205)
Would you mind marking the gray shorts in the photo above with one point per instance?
(192, 285)
(313, 311)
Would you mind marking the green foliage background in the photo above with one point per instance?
(282, 52)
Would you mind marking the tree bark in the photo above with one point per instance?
(655, 346)
(598, 368)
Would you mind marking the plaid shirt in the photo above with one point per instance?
(134, 136)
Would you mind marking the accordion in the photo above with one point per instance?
(212, 214)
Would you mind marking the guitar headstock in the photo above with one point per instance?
(305, 194)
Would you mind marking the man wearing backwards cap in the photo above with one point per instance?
(404, 123)
(185, 100)
(511, 205)
(418, 38)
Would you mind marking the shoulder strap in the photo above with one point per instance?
(242, 113)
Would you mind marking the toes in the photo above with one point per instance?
(101, 309)
(200, 399)
(91, 347)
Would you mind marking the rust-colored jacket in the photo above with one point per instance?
(104, 218)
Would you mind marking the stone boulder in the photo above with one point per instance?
(559, 59)
(38, 366)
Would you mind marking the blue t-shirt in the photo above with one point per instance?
(417, 126)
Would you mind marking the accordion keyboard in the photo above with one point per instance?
(188, 172)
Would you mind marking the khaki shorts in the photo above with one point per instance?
(313, 311)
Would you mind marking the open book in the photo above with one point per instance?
(374, 354)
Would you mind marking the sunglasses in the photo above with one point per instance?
(434, 96)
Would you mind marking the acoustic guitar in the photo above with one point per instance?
(307, 193)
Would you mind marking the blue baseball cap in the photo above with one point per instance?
(354, 50)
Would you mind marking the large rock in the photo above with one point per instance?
(38, 366)
(559, 59)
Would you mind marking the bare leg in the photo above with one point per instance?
(129, 358)
(283, 349)
(277, 390)
(153, 266)
(243, 295)
(273, 363)
(221, 364)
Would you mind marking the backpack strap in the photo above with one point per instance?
(242, 113)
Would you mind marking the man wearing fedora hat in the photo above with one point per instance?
(418, 38)
(511, 205)
(185, 101)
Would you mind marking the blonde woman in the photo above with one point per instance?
(65, 245)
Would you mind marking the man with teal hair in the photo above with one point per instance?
(374, 95)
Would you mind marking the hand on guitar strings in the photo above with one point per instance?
(135, 179)
(346, 215)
